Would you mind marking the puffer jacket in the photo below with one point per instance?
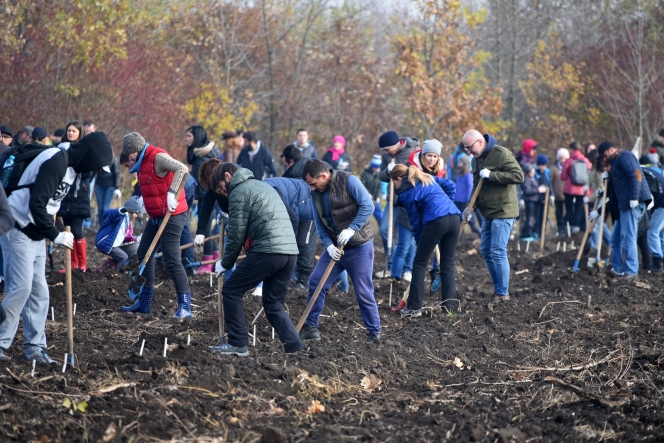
(424, 204)
(256, 213)
(296, 193)
(628, 180)
(77, 201)
(570, 188)
(410, 145)
(497, 199)
(196, 157)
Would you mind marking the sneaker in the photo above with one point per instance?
(499, 298)
(3, 356)
(40, 355)
(407, 276)
(373, 338)
(383, 274)
(258, 292)
(309, 333)
(228, 349)
(412, 313)
(615, 273)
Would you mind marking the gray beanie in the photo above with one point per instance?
(432, 146)
(132, 142)
(135, 205)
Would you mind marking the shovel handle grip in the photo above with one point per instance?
(471, 205)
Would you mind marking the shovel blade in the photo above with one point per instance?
(402, 304)
(576, 266)
(135, 286)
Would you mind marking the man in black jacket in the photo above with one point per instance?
(256, 157)
(293, 161)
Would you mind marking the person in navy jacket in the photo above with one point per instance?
(435, 218)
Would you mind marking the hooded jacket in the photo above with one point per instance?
(256, 212)
(570, 188)
(52, 173)
(196, 157)
(113, 231)
(401, 158)
(498, 197)
(295, 171)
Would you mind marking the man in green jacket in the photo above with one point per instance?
(497, 201)
(258, 221)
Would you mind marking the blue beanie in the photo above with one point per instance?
(542, 160)
(388, 139)
(376, 160)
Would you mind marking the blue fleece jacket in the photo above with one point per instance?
(628, 180)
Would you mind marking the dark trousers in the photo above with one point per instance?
(76, 224)
(306, 244)
(528, 219)
(443, 231)
(539, 218)
(560, 216)
(170, 246)
(575, 212)
(274, 270)
(646, 255)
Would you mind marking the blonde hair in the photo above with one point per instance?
(414, 174)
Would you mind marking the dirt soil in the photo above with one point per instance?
(477, 374)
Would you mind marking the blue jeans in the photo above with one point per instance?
(624, 253)
(104, 199)
(493, 248)
(402, 259)
(384, 224)
(656, 232)
(594, 236)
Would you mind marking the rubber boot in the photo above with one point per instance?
(106, 264)
(205, 269)
(144, 302)
(81, 250)
(215, 255)
(184, 306)
(74, 260)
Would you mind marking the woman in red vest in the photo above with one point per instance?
(159, 177)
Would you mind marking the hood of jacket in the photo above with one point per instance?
(204, 150)
(240, 176)
(92, 152)
(490, 143)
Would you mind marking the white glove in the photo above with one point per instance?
(585, 200)
(541, 189)
(334, 252)
(484, 173)
(522, 204)
(552, 200)
(390, 166)
(117, 193)
(199, 240)
(650, 205)
(219, 269)
(633, 203)
(172, 202)
(468, 214)
(344, 236)
(65, 239)
(605, 175)
(378, 201)
(599, 193)
(593, 215)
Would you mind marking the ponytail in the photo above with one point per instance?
(414, 174)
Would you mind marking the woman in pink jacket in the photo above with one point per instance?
(576, 183)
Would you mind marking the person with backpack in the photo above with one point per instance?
(37, 182)
(576, 174)
(656, 231)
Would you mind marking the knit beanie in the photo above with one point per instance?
(562, 152)
(135, 205)
(388, 139)
(605, 146)
(527, 167)
(432, 146)
(132, 142)
(542, 160)
(653, 156)
(376, 160)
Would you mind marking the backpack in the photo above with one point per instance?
(23, 156)
(653, 184)
(579, 173)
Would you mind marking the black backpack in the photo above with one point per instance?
(23, 156)
(653, 184)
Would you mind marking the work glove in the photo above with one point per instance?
(334, 252)
(484, 173)
(378, 201)
(552, 200)
(593, 215)
(650, 205)
(585, 200)
(468, 214)
(222, 217)
(633, 203)
(605, 175)
(390, 166)
(65, 239)
(599, 193)
(522, 204)
(172, 202)
(541, 189)
(199, 240)
(344, 236)
(219, 269)
(117, 193)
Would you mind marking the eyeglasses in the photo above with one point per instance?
(5, 136)
(468, 148)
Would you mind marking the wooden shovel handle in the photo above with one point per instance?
(471, 205)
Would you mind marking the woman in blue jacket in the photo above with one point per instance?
(429, 202)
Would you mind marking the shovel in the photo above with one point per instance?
(70, 312)
(470, 205)
(137, 279)
(402, 303)
(589, 229)
(220, 287)
(189, 245)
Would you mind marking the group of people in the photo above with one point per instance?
(277, 221)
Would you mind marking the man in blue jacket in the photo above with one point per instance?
(633, 195)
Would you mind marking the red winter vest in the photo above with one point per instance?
(154, 189)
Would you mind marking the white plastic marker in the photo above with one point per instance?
(564, 246)
(188, 339)
(527, 246)
(572, 246)
(74, 308)
(34, 362)
(64, 366)
(254, 335)
(210, 279)
(518, 246)
(165, 346)
(569, 231)
(558, 247)
(142, 347)
(272, 333)
(52, 314)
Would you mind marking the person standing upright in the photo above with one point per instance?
(336, 155)
(576, 178)
(304, 145)
(557, 186)
(256, 157)
(497, 201)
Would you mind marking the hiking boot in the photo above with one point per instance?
(228, 349)
(309, 333)
(40, 355)
(184, 306)
(629, 277)
(499, 298)
(143, 304)
(106, 264)
(383, 274)
(412, 313)
(373, 338)
(657, 265)
(407, 276)
(3, 356)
